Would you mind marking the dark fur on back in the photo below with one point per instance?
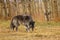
(21, 19)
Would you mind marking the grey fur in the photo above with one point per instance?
(21, 19)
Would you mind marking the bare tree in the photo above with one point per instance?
(47, 13)
(54, 9)
(5, 8)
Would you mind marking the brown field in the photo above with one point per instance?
(42, 31)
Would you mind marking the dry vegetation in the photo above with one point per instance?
(42, 31)
(40, 10)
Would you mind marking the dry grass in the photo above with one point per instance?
(42, 31)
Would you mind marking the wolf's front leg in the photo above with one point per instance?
(28, 29)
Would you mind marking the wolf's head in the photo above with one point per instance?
(31, 24)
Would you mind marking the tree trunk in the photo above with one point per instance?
(55, 9)
(46, 9)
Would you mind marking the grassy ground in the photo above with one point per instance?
(42, 31)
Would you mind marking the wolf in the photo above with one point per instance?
(26, 20)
